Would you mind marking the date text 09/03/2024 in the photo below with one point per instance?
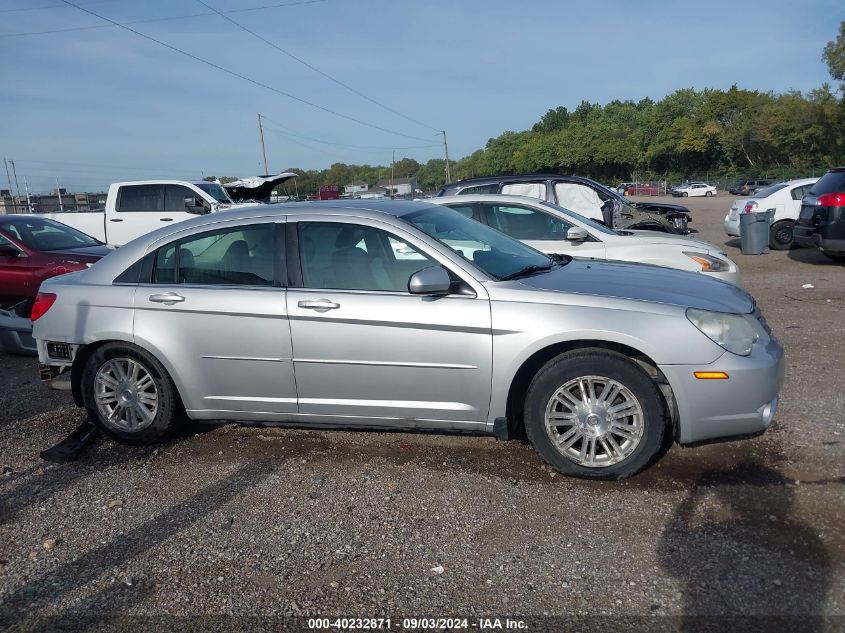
(364, 624)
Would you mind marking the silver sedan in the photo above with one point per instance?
(407, 315)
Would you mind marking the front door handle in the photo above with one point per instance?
(167, 298)
(320, 305)
(116, 220)
(165, 219)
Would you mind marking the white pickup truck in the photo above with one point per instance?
(136, 208)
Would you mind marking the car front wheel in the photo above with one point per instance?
(709, 194)
(595, 415)
(129, 395)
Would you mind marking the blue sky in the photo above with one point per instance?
(94, 106)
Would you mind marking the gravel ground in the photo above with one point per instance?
(241, 527)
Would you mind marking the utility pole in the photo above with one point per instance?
(11, 191)
(446, 151)
(15, 174)
(28, 201)
(59, 193)
(392, 171)
(263, 151)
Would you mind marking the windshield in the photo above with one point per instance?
(592, 224)
(216, 191)
(40, 234)
(767, 191)
(495, 253)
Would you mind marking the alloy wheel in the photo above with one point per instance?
(594, 421)
(125, 394)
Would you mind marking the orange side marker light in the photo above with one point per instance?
(710, 375)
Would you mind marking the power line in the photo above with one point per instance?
(161, 19)
(315, 69)
(291, 132)
(244, 77)
(48, 6)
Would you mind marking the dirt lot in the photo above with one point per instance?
(249, 525)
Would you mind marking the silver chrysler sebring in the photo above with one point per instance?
(407, 315)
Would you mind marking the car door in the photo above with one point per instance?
(540, 230)
(214, 307)
(140, 209)
(365, 349)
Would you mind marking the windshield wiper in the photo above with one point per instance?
(528, 270)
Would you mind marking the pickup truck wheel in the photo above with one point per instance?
(595, 415)
(780, 236)
(129, 395)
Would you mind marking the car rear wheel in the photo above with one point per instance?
(709, 194)
(595, 415)
(780, 236)
(129, 395)
(685, 194)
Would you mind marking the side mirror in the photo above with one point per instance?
(430, 281)
(577, 234)
(7, 250)
(195, 205)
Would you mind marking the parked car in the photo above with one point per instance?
(33, 249)
(303, 314)
(747, 187)
(784, 198)
(821, 222)
(642, 189)
(552, 229)
(690, 189)
(136, 208)
(583, 196)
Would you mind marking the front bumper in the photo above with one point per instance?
(744, 404)
(731, 277)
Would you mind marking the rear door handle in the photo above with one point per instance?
(115, 219)
(320, 305)
(167, 298)
(165, 219)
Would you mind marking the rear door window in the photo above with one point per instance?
(141, 198)
(579, 198)
(239, 256)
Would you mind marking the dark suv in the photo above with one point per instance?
(747, 187)
(821, 223)
(583, 196)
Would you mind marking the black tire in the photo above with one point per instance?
(685, 194)
(557, 372)
(169, 409)
(709, 194)
(780, 235)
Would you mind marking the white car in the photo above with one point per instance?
(691, 189)
(784, 198)
(552, 229)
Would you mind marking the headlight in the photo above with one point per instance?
(732, 332)
(709, 264)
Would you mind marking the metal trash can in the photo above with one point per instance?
(754, 232)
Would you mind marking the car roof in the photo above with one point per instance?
(470, 198)
(515, 177)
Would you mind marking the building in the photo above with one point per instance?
(403, 187)
(354, 189)
(52, 203)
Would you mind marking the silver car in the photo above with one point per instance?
(407, 315)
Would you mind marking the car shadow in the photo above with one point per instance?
(812, 256)
(731, 541)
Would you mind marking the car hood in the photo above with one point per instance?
(86, 254)
(671, 239)
(642, 282)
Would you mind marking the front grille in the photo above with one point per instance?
(59, 351)
(680, 222)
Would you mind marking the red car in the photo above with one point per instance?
(33, 249)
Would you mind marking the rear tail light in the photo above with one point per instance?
(832, 200)
(749, 207)
(43, 302)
